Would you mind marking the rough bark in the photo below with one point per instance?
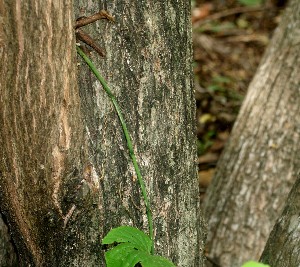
(65, 174)
(260, 162)
(41, 131)
(148, 66)
(283, 248)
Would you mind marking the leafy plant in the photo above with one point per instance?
(205, 142)
(133, 246)
(219, 83)
(254, 264)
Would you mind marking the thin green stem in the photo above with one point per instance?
(128, 140)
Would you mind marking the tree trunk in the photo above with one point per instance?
(66, 175)
(41, 133)
(260, 162)
(150, 73)
(283, 248)
(8, 257)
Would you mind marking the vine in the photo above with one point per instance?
(133, 246)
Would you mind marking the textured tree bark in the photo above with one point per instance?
(65, 175)
(41, 131)
(260, 162)
(283, 248)
(148, 66)
(8, 256)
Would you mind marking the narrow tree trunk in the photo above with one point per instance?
(260, 162)
(148, 66)
(66, 176)
(283, 247)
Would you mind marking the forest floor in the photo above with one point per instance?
(229, 38)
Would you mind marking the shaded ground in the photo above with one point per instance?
(229, 40)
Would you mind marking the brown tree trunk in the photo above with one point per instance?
(66, 176)
(41, 130)
(260, 162)
(283, 246)
(8, 256)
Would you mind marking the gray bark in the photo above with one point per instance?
(148, 66)
(259, 164)
(66, 176)
(283, 248)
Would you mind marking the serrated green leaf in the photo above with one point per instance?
(251, 2)
(129, 234)
(254, 264)
(126, 255)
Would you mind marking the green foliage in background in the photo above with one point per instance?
(251, 2)
(205, 142)
(254, 264)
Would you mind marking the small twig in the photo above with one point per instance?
(246, 38)
(84, 37)
(227, 13)
(102, 14)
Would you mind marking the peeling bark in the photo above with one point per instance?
(260, 162)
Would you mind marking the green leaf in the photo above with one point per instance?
(156, 261)
(251, 2)
(254, 264)
(134, 236)
(117, 256)
(126, 255)
(221, 79)
(134, 247)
